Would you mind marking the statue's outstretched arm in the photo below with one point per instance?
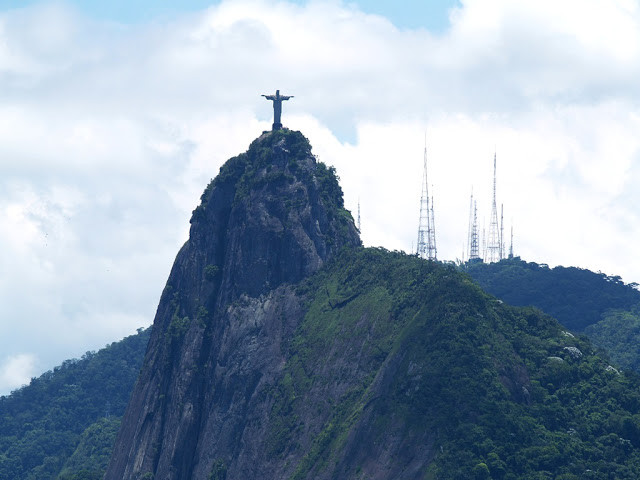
(287, 97)
(269, 97)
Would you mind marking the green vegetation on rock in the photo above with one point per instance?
(601, 306)
(253, 169)
(619, 334)
(394, 344)
(219, 471)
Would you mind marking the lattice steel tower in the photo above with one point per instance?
(494, 242)
(426, 228)
(511, 247)
(432, 232)
(474, 246)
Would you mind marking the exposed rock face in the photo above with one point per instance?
(272, 217)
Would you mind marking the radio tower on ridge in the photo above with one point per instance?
(432, 234)
(502, 246)
(426, 228)
(474, 247)
(511, 247)
(494, 244)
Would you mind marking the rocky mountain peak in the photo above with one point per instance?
(273, 216)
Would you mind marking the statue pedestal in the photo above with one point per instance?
(276, 126)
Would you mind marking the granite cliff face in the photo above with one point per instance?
(273, 216)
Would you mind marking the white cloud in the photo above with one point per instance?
(17, 370)
(109, 133)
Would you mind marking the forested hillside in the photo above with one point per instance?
(619, 334)
(574, 296)
(601, 306)
(492, 391)
(63, 424)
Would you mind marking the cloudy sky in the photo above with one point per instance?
(115, 115)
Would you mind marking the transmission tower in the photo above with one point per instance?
(426, 228)
(484, 240)
(502, 246)
(511, 247)
(466, 249)
(359, 230)
(494, 243)
(432, 230)
(474, 247)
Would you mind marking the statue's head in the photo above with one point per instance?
(277, 93)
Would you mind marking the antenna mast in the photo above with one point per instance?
(511, 247)
(484, 239)
(426, 232)
(474, 247)
(494, 247)
(502, 247)
(359, 230)
(467, 250)
(432, 231)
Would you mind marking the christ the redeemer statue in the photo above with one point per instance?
(277, 107)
